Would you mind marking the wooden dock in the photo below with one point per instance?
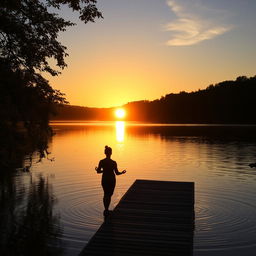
(152, 218)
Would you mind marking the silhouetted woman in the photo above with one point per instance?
(109, 169)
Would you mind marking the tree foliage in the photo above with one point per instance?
(28, 45)
(29, 31)
(28, 41)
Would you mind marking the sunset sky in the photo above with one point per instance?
(145, 49)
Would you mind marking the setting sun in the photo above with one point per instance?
(120, 113)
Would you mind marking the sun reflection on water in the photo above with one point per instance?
(120, 131)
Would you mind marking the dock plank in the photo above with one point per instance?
(152, 218)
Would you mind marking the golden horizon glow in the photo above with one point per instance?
(120, 113)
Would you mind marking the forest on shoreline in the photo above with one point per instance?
(227, 102)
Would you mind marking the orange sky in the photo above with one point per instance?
(146, 49)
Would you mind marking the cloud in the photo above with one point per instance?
(194, 23)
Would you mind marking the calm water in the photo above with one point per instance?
(216, 161)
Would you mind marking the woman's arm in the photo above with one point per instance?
(117, 172)
(99, 168)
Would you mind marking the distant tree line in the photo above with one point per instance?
(226, 102)
(69, 112)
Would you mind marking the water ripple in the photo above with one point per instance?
(224, 221)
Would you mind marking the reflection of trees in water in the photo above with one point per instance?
(17, 143)
(28, 223)
(168, 132)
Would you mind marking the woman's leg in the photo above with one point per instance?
(108, 188)
(106, 201)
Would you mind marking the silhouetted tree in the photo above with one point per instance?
(28, 32)
(28, 40)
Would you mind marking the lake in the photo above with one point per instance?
(215, 157)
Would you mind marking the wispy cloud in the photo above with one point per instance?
(194, 23)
